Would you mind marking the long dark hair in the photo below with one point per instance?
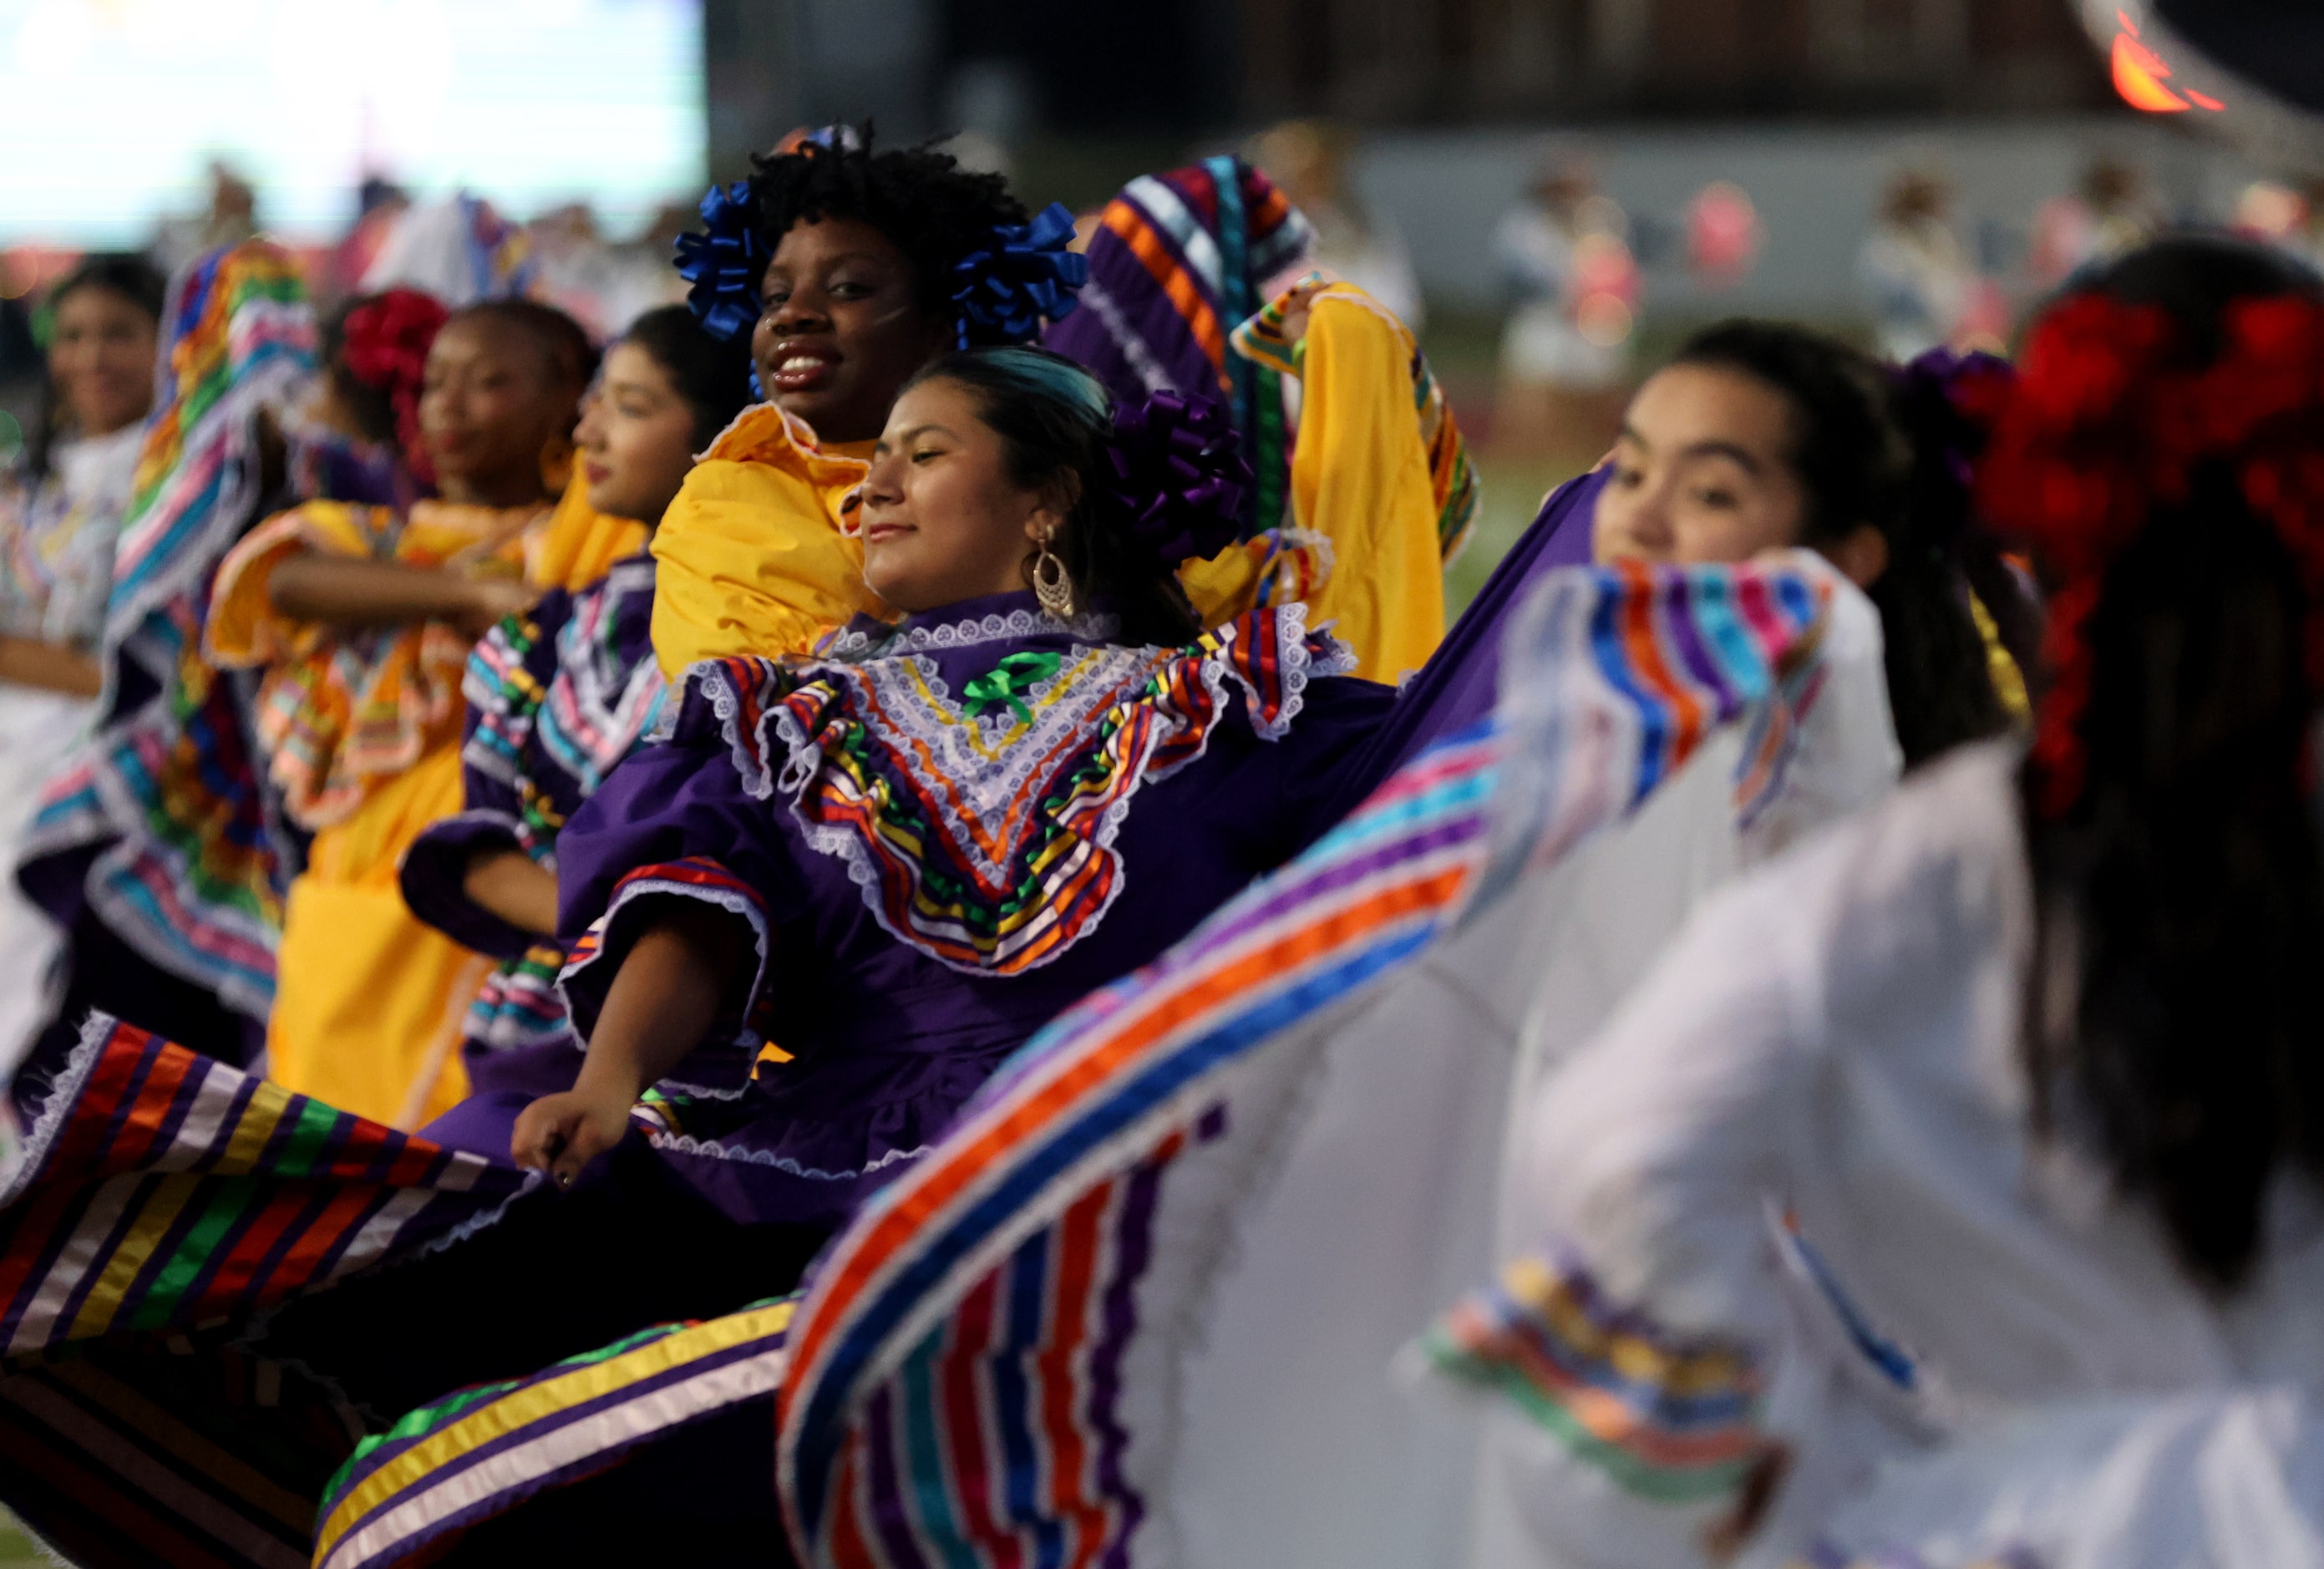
(1862, 457)
(132, 278)
(1054, 419)
(2172, 1002)
(712, 374)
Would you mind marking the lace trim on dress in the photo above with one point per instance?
(855, 645)
(986, 840)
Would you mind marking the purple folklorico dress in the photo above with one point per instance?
(556, 698)
(940, 834)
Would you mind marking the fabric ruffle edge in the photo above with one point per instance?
(1671, 1419)
(1267, 654)
(728, 1050)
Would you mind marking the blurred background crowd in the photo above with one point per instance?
(1552, 191)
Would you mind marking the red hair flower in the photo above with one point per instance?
(386, 348)
(2106, 422)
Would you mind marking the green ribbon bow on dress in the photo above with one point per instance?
(1006, 682)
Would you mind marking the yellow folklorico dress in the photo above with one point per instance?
(362, 732)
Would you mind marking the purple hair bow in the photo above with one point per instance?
(1950, 402)
(1003, 291)
(725, 266)
(1179, 472)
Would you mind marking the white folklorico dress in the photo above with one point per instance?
(56, 573)
(1142, 1304)
(2011, 1370)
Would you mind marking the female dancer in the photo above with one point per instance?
(556, 696)
(1084, 754)
(1357, 503)
(60, 515)
(2028, 1053)
(852, 269)
(1307, 1101)
(1760, 436)
(362, 618)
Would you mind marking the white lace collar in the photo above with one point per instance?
(940, 630)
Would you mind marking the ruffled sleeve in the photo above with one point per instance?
(337, 714)
(244, 629)
(1671, 1332)
(751, 559)
(1361, 479)
(434, 873)
(675, 821)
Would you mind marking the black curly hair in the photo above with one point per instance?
(934, 211)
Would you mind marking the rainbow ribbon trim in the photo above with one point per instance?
(1670, 1420)
(446, 1468)
(956, 1392)
(998, 858)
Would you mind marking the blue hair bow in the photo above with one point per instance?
(725, 266)
(1002, 291)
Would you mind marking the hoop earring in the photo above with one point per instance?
(1052, 585)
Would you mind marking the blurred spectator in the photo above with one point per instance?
(458, 248)
(602, 285)
(2112, 213)
(378, 203)
(1574, 290)
(1307, 160)
(229, 218)
(1917, 279)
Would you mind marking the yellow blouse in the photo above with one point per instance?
(752, 556)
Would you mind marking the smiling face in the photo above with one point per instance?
(101, 357)
(636, 437)
(843, 329)
(1702, 472)
(489, 405)
(941, 519)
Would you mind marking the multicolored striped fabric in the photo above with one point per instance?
(1619, 685)
(161, 1201)
(980, 1367)
(1263, 340)
(160, 1190)
(1178, 260)
(411, 1491)
(1670, 1419)
(986, 841)
(188, 870)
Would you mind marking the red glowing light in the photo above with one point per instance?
(2139, 73)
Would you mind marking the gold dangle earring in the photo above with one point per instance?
(1052, 585)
